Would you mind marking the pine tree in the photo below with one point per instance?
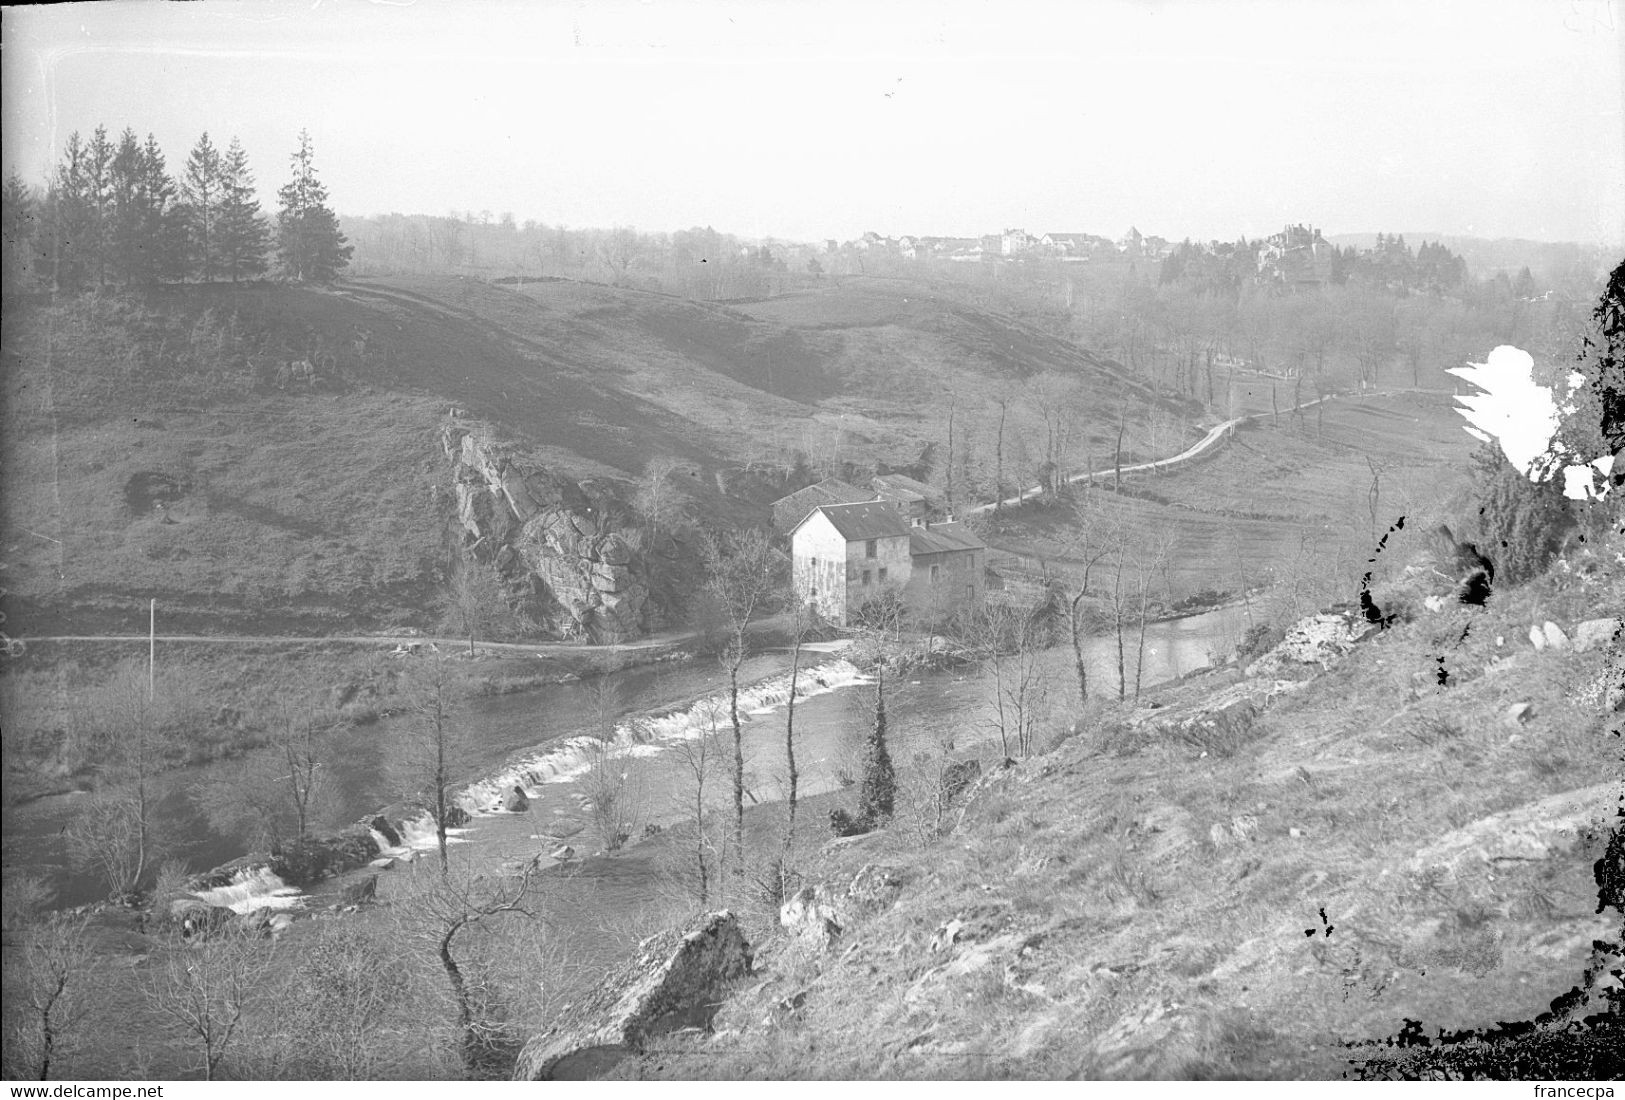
(201, 188)
(19, 214)
(309, 244)
(98, 193)
(242, 234)
(878, 788)
(70, 217)
(162, 222)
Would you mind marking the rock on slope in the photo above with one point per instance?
(553, 543)
(676, 980)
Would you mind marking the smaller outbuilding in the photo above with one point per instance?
(916, 498)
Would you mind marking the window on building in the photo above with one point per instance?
(871, 548)
(866, 578)
(882, 574)
(936, 571)
(970, 591)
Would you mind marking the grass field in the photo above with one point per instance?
(1280, 500)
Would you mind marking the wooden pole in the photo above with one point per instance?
(152, 648)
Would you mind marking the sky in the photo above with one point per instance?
(814, 119)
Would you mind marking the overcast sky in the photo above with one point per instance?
(808, 120)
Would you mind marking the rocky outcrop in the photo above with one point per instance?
(1532, 832)
(1316, 640)
(553, 542)
(308, 861)
(677, 979)
(1597, 632)
(812, 916)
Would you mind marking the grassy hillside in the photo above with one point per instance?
(1269, 897)
(1287, 502)
(151, 452)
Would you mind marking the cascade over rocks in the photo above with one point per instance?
(550, 540)
(675, 980)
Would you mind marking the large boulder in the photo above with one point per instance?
(1315, 640)
(1597, 632)
(312, 859)
(360, 893)
(813, 916)
(516, 801)
(677, 979)
(197, 918)
(875, 887)
(382, 825)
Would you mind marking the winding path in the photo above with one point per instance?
(1208, 442)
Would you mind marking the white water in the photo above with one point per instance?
(566, 761)
(252, 889)
(258, 888)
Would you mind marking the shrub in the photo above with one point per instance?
(1258, 640)
(1522, 524)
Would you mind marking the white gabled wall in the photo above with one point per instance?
(818, 566)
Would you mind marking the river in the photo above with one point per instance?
(535, 739)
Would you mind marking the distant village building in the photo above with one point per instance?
(1013, 242)
(791, 510)
(1298, 256)
(846, 555)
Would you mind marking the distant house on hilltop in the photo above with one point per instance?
(846, 555)
(1298, 256)
(791, 510)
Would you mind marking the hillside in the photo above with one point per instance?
(1259, 873)
(1287, 501)
(152, 450)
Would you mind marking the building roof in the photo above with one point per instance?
(791, 510)
(942, 538)
(901, 486)
(875, 519)
(825, 492)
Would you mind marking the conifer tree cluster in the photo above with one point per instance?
(112, 216)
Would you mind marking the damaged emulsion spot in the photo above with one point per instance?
(1373, 613)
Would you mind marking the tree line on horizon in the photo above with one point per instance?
(112, 216)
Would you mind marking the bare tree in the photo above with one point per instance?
(47, 991)
(699, 758)
(347, 987)
(614, 794)
(203, 989)
(1013, 641)
(431, 745)
(743, 574)
(115, 834)
(1095, 533)
(798, 635)
(660, 504)
(442, 916)
(280, 791)
(476, 601)
(1150, 559)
